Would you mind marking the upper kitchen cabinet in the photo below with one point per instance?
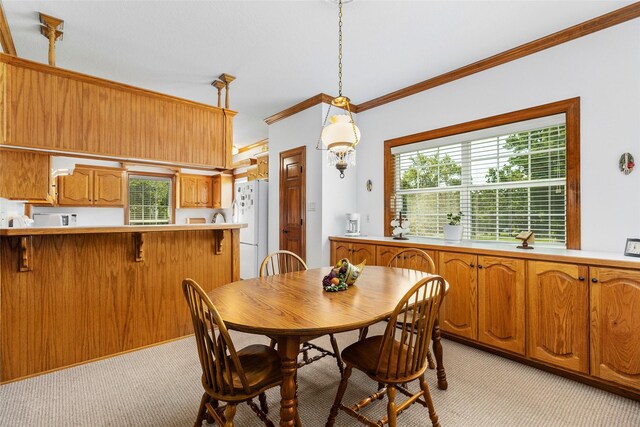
(54, 109)
(24, 175)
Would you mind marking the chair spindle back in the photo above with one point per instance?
(415, 259)
(281, 262)
(403, 353)
(217, 354)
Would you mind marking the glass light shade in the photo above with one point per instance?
(340, 132)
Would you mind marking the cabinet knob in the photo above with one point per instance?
(594, 280)
(472, 265)
(479, 265)
(581, 278)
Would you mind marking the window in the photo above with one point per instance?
(150, 200)
(505, 178)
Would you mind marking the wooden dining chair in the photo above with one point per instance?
(396, 357)
(281, 262)
(416, 259)
(228, 375)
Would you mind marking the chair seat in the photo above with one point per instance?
(261, 366)
(363, 355)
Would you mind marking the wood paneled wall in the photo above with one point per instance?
(53, 109)
(86, 296)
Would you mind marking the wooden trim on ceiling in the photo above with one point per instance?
(254, 145)
(585, 28)
(5, 34)
(20, 62)
(307, 103)
(570, 107)
(602, 22)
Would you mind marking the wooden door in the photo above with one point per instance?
(384, 254)
(76, 189)
(615, 325)
(363, 252)
(109, 189)
(501, 309)
(459, 313)
(204, 192)
(339, 250)
(292, 201)
(188, 191)
(557, 314)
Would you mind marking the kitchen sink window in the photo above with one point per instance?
(150, 200)
(503, 179)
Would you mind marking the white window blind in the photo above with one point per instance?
(503, 179)
(149, 200)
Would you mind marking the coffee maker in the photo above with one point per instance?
(353, 224)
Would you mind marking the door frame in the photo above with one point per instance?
(302, 151)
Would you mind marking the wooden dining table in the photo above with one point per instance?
(293, 308)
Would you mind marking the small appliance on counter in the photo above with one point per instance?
(54, 220)
(353, 224)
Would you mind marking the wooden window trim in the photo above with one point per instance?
(570, 107)
(161, 175)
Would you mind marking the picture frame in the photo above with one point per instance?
(632, 248)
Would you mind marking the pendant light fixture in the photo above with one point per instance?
(341, 135)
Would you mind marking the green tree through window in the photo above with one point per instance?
(149, 200)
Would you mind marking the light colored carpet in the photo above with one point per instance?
(160, 386)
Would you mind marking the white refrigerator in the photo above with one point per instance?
(252, 202)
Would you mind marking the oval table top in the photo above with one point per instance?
(296, 304)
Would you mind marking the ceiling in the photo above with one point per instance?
(283, 52)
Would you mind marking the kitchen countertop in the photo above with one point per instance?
(506, 249)
(39, 231)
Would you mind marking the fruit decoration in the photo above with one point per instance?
(343, 275)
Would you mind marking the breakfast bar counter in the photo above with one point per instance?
(69, 295)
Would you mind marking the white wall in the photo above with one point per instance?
(332, 196)
(603, 69)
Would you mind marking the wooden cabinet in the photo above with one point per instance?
(252, 173)
(92, 187)
(196, 191)
(55, 109)
(354, 252)
(557, 314)
(459, 312)
(485, 299)
(615, 325)
(25, 175)
(262, 166)
(501, 303)
(222, 191)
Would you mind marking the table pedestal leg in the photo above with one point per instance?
(288, 348)
(437, 350)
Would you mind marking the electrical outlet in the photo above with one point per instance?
(368, 218)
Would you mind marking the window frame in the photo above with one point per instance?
(571, 109)
(153, 174)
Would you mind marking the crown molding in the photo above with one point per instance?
(301, 106)
(591, 26)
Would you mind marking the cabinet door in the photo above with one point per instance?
(222, 191)
(363, 252)
(108, 188)
(24, 175)
(76, 189)
(501, 306)
(384, 254)
(459, 313)
(615, 325)
(340, 250)
(557, 314)
(263, 167)
(188, 191)
(205, 192)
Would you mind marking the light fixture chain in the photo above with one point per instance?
(340, 48)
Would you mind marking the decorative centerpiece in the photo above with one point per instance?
(343, 275)
(400, 226)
